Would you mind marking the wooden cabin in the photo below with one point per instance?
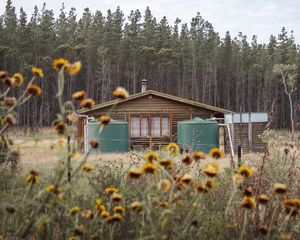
(152, 116)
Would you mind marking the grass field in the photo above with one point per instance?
(187, 201)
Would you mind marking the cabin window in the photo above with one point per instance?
(142, 126)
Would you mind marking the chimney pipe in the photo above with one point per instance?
(144, 85)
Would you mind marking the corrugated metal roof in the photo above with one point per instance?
(254, 117)
(159, 94)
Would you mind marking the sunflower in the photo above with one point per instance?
(104, 120)
(248, 192)
(38, 72)
(73, 211)
(120, 93)
(216, 153)
(200, 187)
(149, 168)
(168, 164)
(9, 81)
(60, 127)
(186, 179)
(111, 190)
(136, 205)
(292, 206)
(211, 169)
(3, 74)
(237, 179)
(187, 160)
(104, 214)
(164, 185)
(246, 172)
(88, 168)
(116, 197)
(10, 119)
(263, 199)
(50, 188)
(210, 183)
(33, 90)
(79, 95)
(59, 63)
(79, 231)
(199, 155)
(10, 101)
(151, 157)
(119, 209)
(263, 229)
(72, 238)
(74, 68)
(173, 148)
(114, 218)
(33, 177)
(19, 79)
(135, 174)
(280, 188)
(248, 202)
(87, 103)
(87, 214)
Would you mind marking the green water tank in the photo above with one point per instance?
(198, 134)
(112, 138)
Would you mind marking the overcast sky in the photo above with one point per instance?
(259, 17)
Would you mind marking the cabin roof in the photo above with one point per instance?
(155, 93)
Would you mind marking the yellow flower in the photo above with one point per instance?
(246, 172)
(199, 155)
(210, 183)
(79, 231)
(116, 197)
(163, 204)
(10, 101)
(94, 143)
(38, 72)
(87, 103)
(187, 160)
(263, 229)
(104, 214)
(60, 127)
(87, 168)
(201, 188)
(3, 74)
(151, 157)
(136, 205)
(263, 199)
(9, 81)
(186, 179)
(74, 68)
(149, 168)
(18, 79)
(59, 63)
(216, 153)
(79, 96)
(87, 214)
(72, 238)
(114, 218)
(73, 211)
(280, 188)
(173, 148)
(248, 202)
(104, 120)
(164, 185)
(33, 90)
(32, 177)
(292, 206)
(119, 209)
(50, 188)
(135, 174)
(248, 192)
(120, 93)
(168, 164)
(111, 190)
(211, 169)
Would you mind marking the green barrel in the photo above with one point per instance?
(198, 134)
(112, 138)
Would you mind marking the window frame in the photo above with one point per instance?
(150, 116)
